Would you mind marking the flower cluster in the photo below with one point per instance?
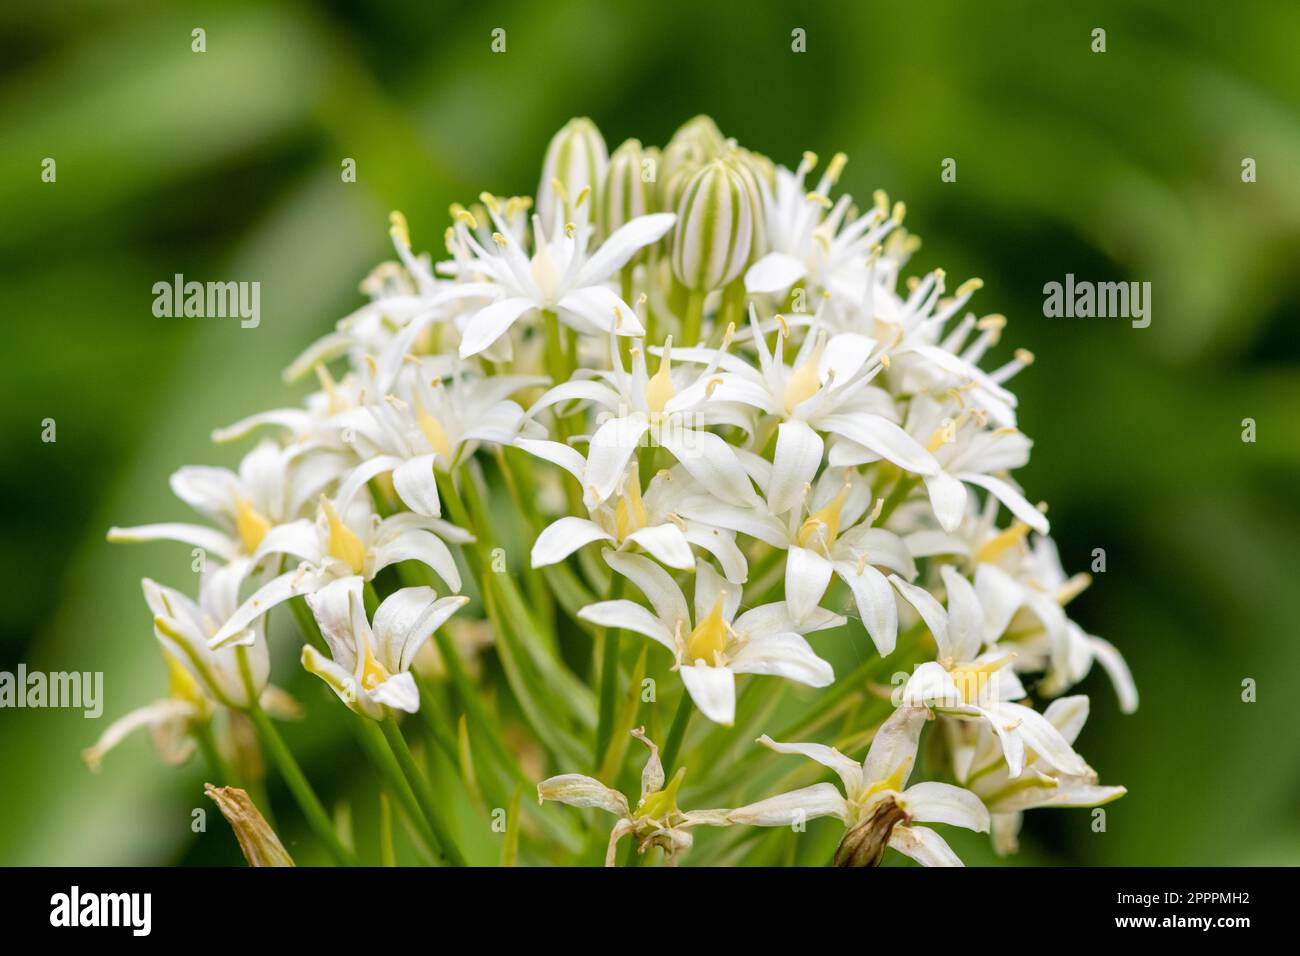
(687, 371)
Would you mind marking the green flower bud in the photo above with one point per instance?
(575, 159)
(715, 227)
(697, 142)
(629, 187)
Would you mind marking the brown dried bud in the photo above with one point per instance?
(865, 844)
(256, 838)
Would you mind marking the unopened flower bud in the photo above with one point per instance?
(627, 192)
(575, 159)
(715, 228)
(256, 838)
(865, 844)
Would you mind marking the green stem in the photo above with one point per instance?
(677, 733)
(225, 777)
(694, 319)
(608, 679)
(381, 755)
(297, 783)
(423, 790)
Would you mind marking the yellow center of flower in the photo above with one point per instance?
(996, 546)
(343, 541)
(181, 684)
(892, 783)
(823, 526)
(805, 381)
(629, 514)
(663, 802)
(971, 679)
(433, 431)
(709, 638)
(659, 390)
(250, 524)
(373, 673)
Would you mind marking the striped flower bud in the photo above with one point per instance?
(715, 228)
(697, 142)
(575, 159)
(629, 187)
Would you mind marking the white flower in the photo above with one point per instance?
(718, 645)
(273, 486)
(875, 807)
(829, 533)
(650, 522)
(357, 542)
(656, 821)
(369, 668)
(968, 685)
(673, 412)
(560, 276)
(436, 424)
(980, 766)
(813, 240)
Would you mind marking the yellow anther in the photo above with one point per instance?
(397, 228)
(462, 214)
(373, 673)
(659, 390)
(785, 326)
(709, 639)
(996, 546)
(881, 199)
(969, 287)
(809, 159)
(995, 321)
(252, 526)
(823, 526)
(499, 239)
(836, 167)
(1073, 587)
(327, 386)
(490, 201)
(1024, 356)
(181, 684)
(710, 385)
(586, 191)
(900, 211)
(885, 361)
(343, 541)
(570, 229)
(819, 199)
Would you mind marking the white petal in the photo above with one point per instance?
(884, 438)
(965, 616)
(1000, 595)
(490, 323)
(666, 543)
(797, 806)
(708, 585)
(1016, 503)
(1118, 671)
(1068, 715)
(417, 544)
(611, 449)
(601, 309)
(713, 689)
(806, 576)
(932, 802)
(775, 272)
(578, 790)
(561, 538)
(570, 459)
(339, 610)
(629, 616)
(774, 618)
(406, 619)
(798, 456)
(655, 583)
(849, 770)
(711, 462)
(1040, 737)
(783, 655)
(209, 539)
(895, 745)
(398, 692)
(924, 846)
(274, 592)
(931, 611)
(414, 483)
(947, 498)
(623, 244)
(876, 603)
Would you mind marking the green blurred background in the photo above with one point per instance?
(225, 165)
